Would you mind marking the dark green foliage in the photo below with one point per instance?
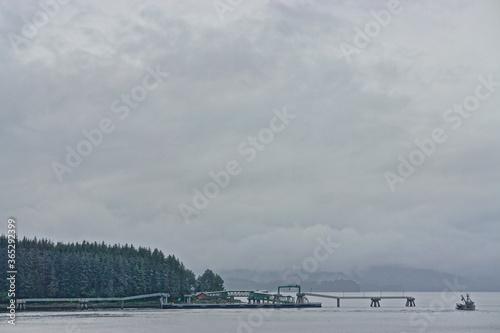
(88, 269)
(209, 281)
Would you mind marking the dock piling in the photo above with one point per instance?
(410, 301)
(375, 302)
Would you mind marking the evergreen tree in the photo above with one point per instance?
(209, 281)
(95, 269)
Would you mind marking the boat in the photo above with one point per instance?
(467, 305)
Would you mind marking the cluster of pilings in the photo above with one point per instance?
(255, 301)
(375, 302)
(83, 304)
(410, 301)
(20, 304)
(301, 298)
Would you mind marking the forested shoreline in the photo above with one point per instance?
(48, 269)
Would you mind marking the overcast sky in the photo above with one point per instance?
(335, 99)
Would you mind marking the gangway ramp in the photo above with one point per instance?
(83, 302)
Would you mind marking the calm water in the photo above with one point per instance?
(434, 312)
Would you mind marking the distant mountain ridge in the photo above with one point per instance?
(270, 280)
(378, 278)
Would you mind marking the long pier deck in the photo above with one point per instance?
(21, 304)
(375, 300)
(223, 300)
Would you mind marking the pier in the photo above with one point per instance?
(225, 299)
(203, 300)
(375, 300)
(256, 299)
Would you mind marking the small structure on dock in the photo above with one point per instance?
(200, 296)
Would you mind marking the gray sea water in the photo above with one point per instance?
(434, 312)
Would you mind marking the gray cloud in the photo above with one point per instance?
(323, 174)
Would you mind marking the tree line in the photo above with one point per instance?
(46, 269)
